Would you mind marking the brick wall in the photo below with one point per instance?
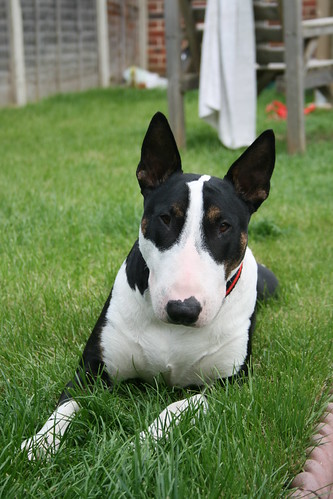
(156, 43)
(309, 9)
(156, 37)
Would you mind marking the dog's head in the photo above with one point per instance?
(193, 233)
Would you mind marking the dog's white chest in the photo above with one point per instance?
(137, 345)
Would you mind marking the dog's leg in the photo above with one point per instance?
(267, 284)
(172, 414)
(48, 439)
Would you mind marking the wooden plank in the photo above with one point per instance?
(37, 45)
(314, 64)
(79, 30)
(4, 67)
(3, 38)
(317, 27)
(266, 54)
(190, 27)
(58, 45)
(319, 76)
(69, 36)
(266, 32)
(17, 53)
(103, 43)
(5, 96)
(271, 66)
(266, 11)
(174, 71)
(325, 44)
(292, 21)
(5, 82)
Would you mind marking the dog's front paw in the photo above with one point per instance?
(40, 445)
(172, 414)
(47, 441)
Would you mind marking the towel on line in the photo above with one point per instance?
(227, 90)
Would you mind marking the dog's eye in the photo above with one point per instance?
(224, 227)
(166, 219)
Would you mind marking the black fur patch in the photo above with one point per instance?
(165, 211)
(137, 271)
(225, 222)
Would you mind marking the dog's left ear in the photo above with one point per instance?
(251, 173)
(159, 155)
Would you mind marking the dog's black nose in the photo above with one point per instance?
(183, 312)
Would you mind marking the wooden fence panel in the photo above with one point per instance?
(123, 17)
(60, 48)
(60, 39)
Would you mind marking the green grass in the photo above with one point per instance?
(69, 212)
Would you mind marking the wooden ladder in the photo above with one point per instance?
(284, 46)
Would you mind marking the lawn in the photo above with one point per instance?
(70, 209)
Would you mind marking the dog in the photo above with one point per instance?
(183, 302)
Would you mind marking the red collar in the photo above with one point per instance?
(233, 281)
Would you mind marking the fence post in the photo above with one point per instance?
(103, 43)
(17, 53)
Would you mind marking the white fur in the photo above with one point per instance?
(172, 414)
(47, 440)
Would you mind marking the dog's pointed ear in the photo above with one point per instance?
(250, 174)
(159, 155)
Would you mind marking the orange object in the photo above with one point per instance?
(279, 110)
(311, 107)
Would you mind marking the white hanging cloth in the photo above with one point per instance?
(227, 90)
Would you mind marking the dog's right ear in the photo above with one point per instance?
(251, 173)
(159, 155)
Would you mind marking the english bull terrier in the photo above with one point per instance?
(183, 302)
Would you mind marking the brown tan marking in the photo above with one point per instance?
(232, 264)
(213, 214)
(144, 223)
(178, 210)
(243, 242)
